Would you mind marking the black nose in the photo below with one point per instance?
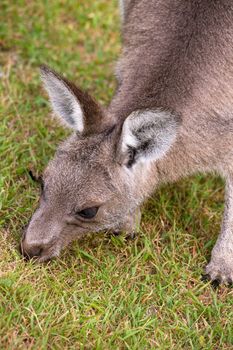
(29, 252)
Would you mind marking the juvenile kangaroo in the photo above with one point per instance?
(171, 116)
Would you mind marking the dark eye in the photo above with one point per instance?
(88, 213)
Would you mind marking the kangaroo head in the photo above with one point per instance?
(100, 174)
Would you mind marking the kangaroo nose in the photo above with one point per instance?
(30, 251)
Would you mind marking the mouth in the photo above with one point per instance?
(47, 257)
(40, 256)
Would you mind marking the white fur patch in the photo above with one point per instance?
(150, 132)
(64, 103)
(128, 139)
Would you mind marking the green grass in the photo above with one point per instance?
(103, 292)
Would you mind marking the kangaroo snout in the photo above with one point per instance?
(39, 250)
(39, 239)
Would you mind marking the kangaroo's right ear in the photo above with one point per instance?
(75, 107)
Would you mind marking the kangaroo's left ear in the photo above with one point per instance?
(147, 135)
(75, 107)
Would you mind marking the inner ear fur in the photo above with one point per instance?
(147, 135)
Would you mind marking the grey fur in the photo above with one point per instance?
(177, 57)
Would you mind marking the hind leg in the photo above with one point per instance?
(220, 267)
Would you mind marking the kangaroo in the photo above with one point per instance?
(171, 116)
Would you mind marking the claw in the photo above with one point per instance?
(130, 236)
(215, 283)
(116, 233)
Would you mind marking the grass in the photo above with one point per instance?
(103, 292)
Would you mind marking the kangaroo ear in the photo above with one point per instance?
(77, 109)
(147, 135)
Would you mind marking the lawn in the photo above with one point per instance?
(103, 292)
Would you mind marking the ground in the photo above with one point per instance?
(104, 292)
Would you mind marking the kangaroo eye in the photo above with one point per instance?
(88, 213)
